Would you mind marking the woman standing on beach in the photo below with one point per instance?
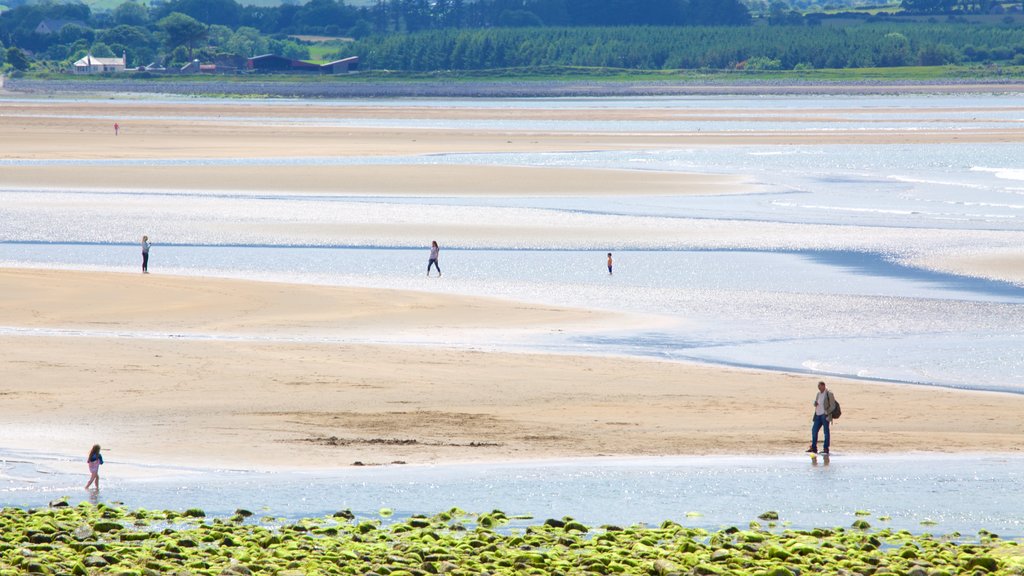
(435, 251)
(95, 459)
(145, 254)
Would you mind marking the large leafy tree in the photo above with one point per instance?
(137, 41)
(66, 10)
(224, 12)
(717, 13)
(17, 59)
(131, 14)
(247, 42)
(71, 33)
(322, 13)
(183, 30)
(928, 6)
(128, 36)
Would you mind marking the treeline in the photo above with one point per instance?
(659, 48)
(173, 32)
(145, 34)
(956, 6)
(424, 35)
(335, 17)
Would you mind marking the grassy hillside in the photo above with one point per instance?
(111, 4)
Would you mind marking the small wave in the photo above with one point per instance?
(1001, 173)
(845, 208)
(962, 184)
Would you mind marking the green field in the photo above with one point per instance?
(880, 9)
(321, 51)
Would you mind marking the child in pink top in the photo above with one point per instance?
(95, 459)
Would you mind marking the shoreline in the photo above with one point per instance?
(701, 492)
(512, 89)
(150, 470)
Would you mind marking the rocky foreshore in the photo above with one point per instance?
(100, 539)
(494, 89)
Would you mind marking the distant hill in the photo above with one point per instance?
(833, 4)
(111, 4)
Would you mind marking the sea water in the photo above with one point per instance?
(816, 270)
(920, 493)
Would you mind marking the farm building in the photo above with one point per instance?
(343, 66)
(275, 63)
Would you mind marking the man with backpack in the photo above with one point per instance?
(825, 409)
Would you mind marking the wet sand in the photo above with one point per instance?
(207, 385)
(198, 130)
(261, 375)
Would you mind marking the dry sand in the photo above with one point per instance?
(56, 130)
(234, 399)
(1006, 266)
(275, 375)
(365, 180)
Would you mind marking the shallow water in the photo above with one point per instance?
(837, 313)
(809, 273)
(935, 494)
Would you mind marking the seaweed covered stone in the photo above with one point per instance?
(455, 542)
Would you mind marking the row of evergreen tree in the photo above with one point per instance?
(335, 17)
(660, 48)
(483, 34)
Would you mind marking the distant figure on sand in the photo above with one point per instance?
(609, 263)
(145, 254)
(824, 405)
(434, 253)
(116, 128)
(95, 459)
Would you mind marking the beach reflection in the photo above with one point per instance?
(962, 493)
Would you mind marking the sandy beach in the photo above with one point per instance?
(201, 130)
(76, 372)
(239, 373)
(151, 132)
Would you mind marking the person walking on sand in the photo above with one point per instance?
(95, 459)
(116, 128)
(435, 251)
(824, 405)
(609, 263)
(145, 254)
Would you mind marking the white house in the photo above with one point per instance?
(93, 65)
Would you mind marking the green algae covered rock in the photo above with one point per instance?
(777, 552)
(986, 563)
(460, 544)
(663, 567)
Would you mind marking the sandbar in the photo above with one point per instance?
(56, 130)
(223, 396)
(260, 375)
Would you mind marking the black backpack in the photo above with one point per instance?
(837, 411)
